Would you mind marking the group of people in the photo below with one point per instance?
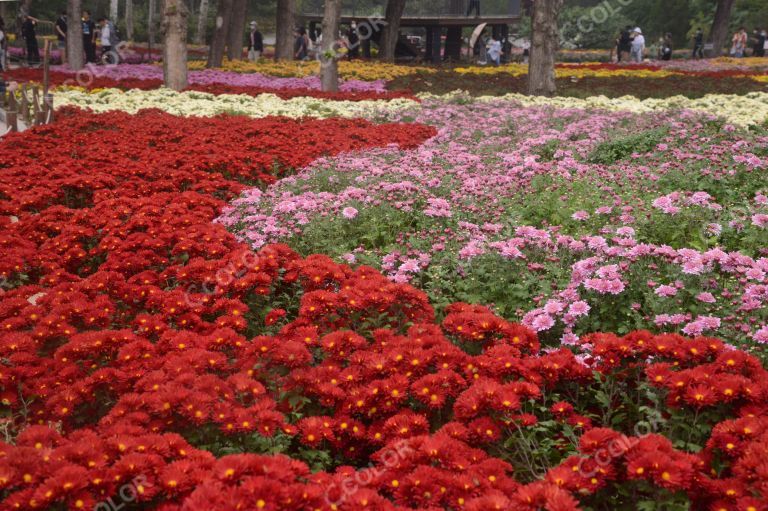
(492, 48)
(307, 46)
(101, 35)
(741, 41)
(630, 45)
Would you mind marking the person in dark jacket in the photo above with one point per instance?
(623, 44)
(698, 45)
(30, 37)
(665, 52)
(300, 50)
(3, 44)
(61, 35)
(354, 41)
(89, 37)
(255, 43)
(758, 46)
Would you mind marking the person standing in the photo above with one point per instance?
(739, 43)
(494, 50)
(3, 44)
(623, 44)
(354, 41)
(299, 45)
(638, 46)
(255, 43)
(30, 38)
(758, 48)
(526, 51)
(61, 35)
(665, 52)
(108, 40)
(89, 37)
(698, 44)
(480, 49)
(764, 35)
(307, 42)
(474, 5)
(506, 51)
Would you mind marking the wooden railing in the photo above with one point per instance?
(30, 104)
(32, 107)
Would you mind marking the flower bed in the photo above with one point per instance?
(151, 360)
(446, 81)
(570, 221)
(370, 71)
(723, 68)
(131, 55)
(193, 103)
(148, 77)
(57, 79)
(742, 110)
(216, 76)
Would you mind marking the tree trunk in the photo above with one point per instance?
(236, 30)
(219, 41)
(329, 66)
(129, 19)
(151, 21)
(75, 53)
(175, 44)
(718, 35)
(113, 11)
(284, 43)
(391, 29)
(202, 18)
(541, 67)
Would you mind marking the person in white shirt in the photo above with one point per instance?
(108, 39)
(638, 46)
(494, 51)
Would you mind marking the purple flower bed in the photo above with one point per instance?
(570, 221)
(212, 76)
(128, 57)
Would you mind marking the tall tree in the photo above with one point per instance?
(113, 6)
(219, 41)
(391, 29)
(285, 21)
(151, 21)
(541, 66)
(329, 65)
(175, 44)
(718, 35)
(236, 30)
(75, 55)
(129, 19)
(202, 18)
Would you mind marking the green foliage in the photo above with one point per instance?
(591, 27)
(620, 148)
(514, 286)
